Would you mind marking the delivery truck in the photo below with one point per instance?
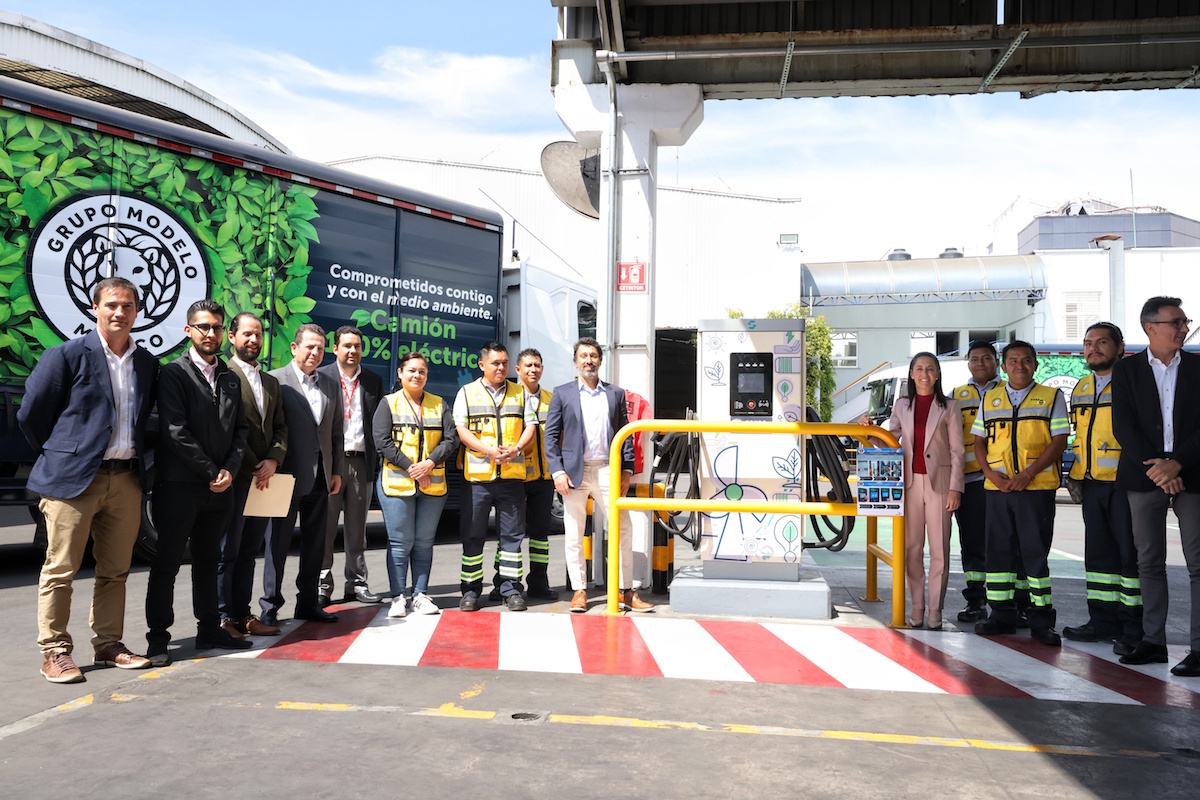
(88, 191)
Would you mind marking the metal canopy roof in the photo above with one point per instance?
(815, 48)
(924, 280)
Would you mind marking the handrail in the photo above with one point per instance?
(616, 503)
(863, 377)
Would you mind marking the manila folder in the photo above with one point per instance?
(274, 501)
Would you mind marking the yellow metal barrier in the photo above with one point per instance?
(617, 503)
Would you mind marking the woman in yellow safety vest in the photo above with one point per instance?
(415, 434)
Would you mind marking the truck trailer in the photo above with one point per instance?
(90, 191)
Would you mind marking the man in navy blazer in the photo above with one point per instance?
(1155, 395)
(584, 416)
(85, 411)
(312, 405)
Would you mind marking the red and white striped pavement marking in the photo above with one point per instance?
(922, 661)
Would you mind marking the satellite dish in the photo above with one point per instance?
(573, 172)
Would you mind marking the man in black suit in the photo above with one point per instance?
(85, 411)
(266, 446)
(202, 435)
(313, 408)
(361, 391)
(1155, 398)
(584, 416)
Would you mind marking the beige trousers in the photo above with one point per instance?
(110, 511)
(595, 483)
(925, 510)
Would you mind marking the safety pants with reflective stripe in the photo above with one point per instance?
(1020, 527)
(507, 496)
(539, 500)
(971, 517)
(1114, 595)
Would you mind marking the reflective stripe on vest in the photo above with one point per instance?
(494, 425)
(1095, 447)
(968, 403)
(536, 466)
(416, 438)
(1007, 454)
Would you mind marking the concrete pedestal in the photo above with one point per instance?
(803, 594)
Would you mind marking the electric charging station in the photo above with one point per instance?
(751, 370)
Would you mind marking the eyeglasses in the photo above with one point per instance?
(206, 329)
(1177, 323)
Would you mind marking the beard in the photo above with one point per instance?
(246, 354)
(1102, 365)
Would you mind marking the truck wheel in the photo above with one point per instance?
(1075, 489)
(556, 514)
(147, 539)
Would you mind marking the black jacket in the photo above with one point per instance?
(199, 433)
(1138, 422)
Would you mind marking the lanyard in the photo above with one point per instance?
(417, 413)
(497, 404)
(348, 394)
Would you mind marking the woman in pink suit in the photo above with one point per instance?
(933, 482)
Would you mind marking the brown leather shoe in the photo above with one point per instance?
(60, 668)
(253, 626)
(234, 629)
(119, 656)
(632, 602)
(579, 602)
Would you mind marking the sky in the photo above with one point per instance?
(468, 81)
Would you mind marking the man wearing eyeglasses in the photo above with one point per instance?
(1155, 397)
(202, 436)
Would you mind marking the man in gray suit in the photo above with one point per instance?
(313, 409)
(266, 447)
(584, 416)
(361, 390)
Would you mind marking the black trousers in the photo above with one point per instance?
(239, 548)
(1020, 527)
(507, 496)
(539, 504)
(313, 511)
(972, 542)
(1114, 595)
(186, 512)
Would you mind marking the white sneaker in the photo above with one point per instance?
(399, 608)
(423, 605)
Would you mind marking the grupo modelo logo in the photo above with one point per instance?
(102, 235)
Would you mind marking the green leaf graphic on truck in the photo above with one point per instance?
(79, 204)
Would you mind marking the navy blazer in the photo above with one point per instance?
(68, 414)
(1138, 422)
(565, 434)
(310, 443)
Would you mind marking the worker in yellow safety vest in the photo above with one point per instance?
(1020, 434)
(1114, 595)
(494, 426)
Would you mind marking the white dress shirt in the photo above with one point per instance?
(209, 371)
(1166, 375)
(316, 400)
(352, 394)
(120, 375)
(597, 431)
(254, 378)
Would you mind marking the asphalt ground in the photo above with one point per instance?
(228, 727)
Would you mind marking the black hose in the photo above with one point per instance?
(680, 453)
(825, 455)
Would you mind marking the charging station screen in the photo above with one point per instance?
(751, 383)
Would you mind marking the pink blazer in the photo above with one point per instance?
(943, 448)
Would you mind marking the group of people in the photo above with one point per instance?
(990, 453)
(225, 428)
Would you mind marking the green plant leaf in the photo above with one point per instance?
(301, 305)
(305, 229)
(22, 305)
(6, 165)
(42, 332)
(160, 169)
(34, 125)
(23, 144)
(36, 204)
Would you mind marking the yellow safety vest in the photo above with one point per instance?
(1007, 453)
(1096, 448)
(494, 424)
(536, 466)
(968, 403)
(416, 438)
